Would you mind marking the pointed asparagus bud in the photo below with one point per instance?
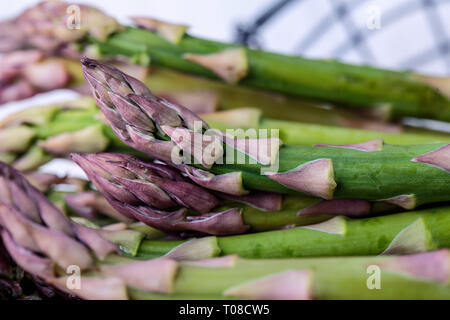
(90, 204)
(87, 140)
(240, 118)
(16, 139)
(169, 31)
(287, 285)
(337, 225)
(199, 102)
(231, 64)
(133, 181)
(314, 177)
(153, 275)
(26, 259)
(439, 158)
(229, 183)
(196, 249)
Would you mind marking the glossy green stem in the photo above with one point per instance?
(326, 80)
(375, 175)
(370, 236)
(332, 278)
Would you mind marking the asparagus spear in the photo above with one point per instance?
(402, 277)
(403, 233)
(404, 93)
(109, 276)
(34, 136)
(136, 192)
(368, 171)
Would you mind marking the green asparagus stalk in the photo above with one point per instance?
(151, 197)
(62, 244)
(401, 277)
(404, 93)
(326, 80)
(36, 135)
(368, 171)
(403, 233)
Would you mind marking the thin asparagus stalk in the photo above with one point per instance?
(137, 193)
(401, 277)
(36, 135)
(367, 171)
(24, 79)
(109, 276)
(404, 93)
(403, 233)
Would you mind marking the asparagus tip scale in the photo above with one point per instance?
(315, 178)
(337, 225)
(439, 158)
(231, 64)
(266, 201)
(263, 150)
(229, 183)
(415, 238)
(405, 201)
(26, 259)
(195, 249)
(368, 146)
(434, 265)
(287, 285)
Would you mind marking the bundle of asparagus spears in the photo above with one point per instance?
(201, 189)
